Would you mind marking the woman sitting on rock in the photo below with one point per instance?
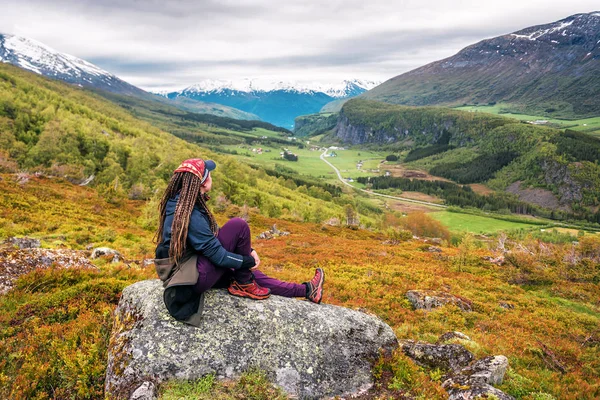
(225, 256)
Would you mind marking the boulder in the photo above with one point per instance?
(476, 380)
(429, 299)
(309, 350)
(105, 252)
(448, 357)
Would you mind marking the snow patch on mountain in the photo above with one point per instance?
(253, 85)
(37, 57)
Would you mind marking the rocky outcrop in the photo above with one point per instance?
(448, 357)
(272, 233)
(23, 242)
(107, 253)
(351, 133)
(476, 380)
(309, 350)
(559, 175)
(466, 379)
(429, 299)
(17, 262)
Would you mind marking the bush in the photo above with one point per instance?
(391, 157)
(421, 224)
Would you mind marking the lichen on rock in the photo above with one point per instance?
(309, 350)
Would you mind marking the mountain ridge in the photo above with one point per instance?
(276, 102)
(37, 57)
(551, 69)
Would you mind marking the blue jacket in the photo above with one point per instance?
(201, 238)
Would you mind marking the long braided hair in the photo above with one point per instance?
(188, 186)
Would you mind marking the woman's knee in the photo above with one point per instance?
(239, 223)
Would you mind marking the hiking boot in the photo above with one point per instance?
(314, 287)
(250, 290)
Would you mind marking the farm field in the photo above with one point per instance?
(588, 125)
(309, 162)
(459, 222)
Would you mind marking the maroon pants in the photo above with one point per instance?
(235, 237)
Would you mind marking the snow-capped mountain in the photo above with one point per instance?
(346, 88)
(44, 60)
(277, 102)
(37, 57)
(551, 69)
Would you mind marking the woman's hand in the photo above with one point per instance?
(254, 255)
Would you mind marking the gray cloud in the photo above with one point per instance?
(172, 44)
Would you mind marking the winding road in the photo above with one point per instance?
(337, 171)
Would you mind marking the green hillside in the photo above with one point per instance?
(469, 147)
(57, 130)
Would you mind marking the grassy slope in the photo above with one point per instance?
(51, 127)
(476, 224)
(41, 351)
(588, 125)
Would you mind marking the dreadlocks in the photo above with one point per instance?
(187, 185)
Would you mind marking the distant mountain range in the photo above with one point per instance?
(276, 102)
(34, 56)
(551, 69)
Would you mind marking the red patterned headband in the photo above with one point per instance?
(198, 167)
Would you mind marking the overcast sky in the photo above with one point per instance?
(168, 44)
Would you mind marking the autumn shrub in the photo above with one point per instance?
(55, 328)
(589, 247)
(399, 235)
(421, 224)
(405, 379)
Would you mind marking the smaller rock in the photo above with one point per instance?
(429, 299)
(495, 260)
(506, 305)
(437, 241)
(333, 222)
(451, 357)
(453, 335)
(434, 249)
(488, 370)
(24, 242)
(106, 252)
(272, 233)
(476, 380)
(459, 392)
(146, 391)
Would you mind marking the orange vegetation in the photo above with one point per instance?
(54, 335)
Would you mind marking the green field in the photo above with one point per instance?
(309, 162)
(476, 224)
(347, 160)
(588, 125)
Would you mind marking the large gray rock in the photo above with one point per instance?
(310, 350)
